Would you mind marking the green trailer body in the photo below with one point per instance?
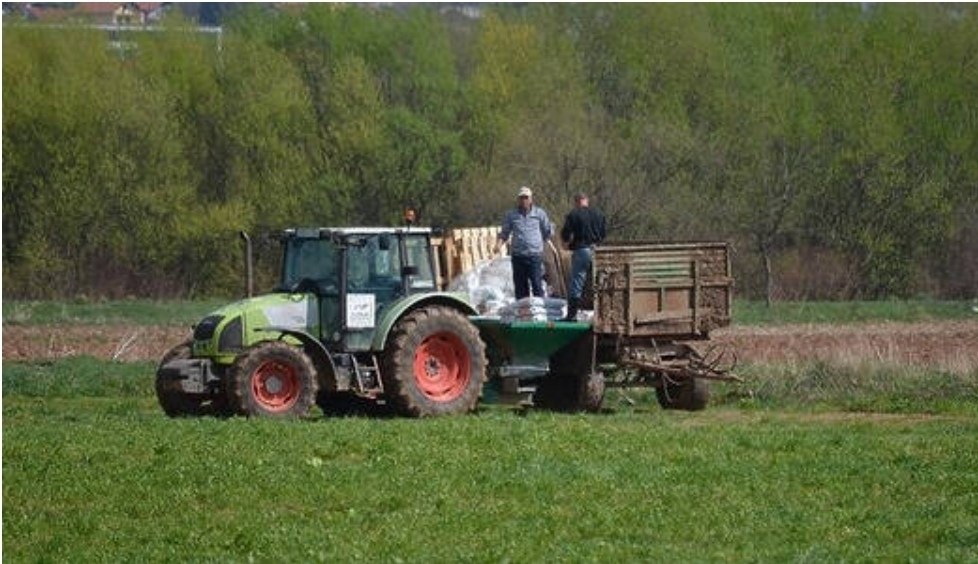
(528, 343)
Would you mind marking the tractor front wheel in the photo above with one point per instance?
(434, 363)
(174, 401)
(272, 379)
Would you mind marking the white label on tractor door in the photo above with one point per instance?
(360, 309)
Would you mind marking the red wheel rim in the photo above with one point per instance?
(442, 367)
(275, 385)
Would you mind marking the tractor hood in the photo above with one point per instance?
(234, 327)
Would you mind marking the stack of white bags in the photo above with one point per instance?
(490, 288)
(534, 309)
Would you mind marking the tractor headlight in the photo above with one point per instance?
(205, 329)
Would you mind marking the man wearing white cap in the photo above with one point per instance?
(530, 229)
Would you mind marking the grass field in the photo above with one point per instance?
(140, 312)
(93, 471)
(807, 462)
(780, 313)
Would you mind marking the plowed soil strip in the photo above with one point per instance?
(125, 343)
(951, 345)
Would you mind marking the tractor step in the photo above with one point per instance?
(367, 376)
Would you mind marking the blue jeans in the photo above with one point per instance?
(528, 271)
(580, 265)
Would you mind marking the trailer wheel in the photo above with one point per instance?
(572, 385)
(692, 394)
(434, 363)
(591, 392)
(571, 392)
(272, 379)
(556, 392)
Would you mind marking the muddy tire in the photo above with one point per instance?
(571, 393)
(571, 384)
(556, 392)
(689, 395)
(272, 379)
(434, 363)
(590, 392)
(174, 401)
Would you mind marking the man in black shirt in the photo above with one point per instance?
(583, 228)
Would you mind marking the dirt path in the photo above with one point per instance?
(127, 343)
(951, 345)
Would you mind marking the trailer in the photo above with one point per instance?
(654, 307)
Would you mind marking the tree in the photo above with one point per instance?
(839, 130)
(769, 130)
(875, 204)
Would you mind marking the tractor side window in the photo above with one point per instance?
(419, 256)
(313, 259)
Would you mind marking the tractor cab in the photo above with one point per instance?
(357, 274)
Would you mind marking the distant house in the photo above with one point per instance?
(97, 13)
(141, 13)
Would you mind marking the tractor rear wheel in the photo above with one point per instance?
(434, 363)
(272, 379)
(691, 394)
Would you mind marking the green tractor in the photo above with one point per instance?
(357, 314)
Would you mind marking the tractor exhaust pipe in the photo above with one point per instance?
(249, 269)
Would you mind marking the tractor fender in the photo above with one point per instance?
(454, 300)
(321, 358)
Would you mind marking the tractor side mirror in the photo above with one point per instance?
(409, 270)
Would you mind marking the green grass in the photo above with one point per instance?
(781, 313)
(78, 376)
(868, 387)
(92, 470)
(137, 312)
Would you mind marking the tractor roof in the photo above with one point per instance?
(316, 232)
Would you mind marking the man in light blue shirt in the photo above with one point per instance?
(530, 229)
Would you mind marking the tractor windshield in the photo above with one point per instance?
(315, 261)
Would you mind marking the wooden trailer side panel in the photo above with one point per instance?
(673, 290)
